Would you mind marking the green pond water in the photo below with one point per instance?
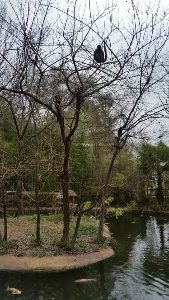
(139, 269)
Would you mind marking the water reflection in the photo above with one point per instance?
(139, 270)
(146, 276)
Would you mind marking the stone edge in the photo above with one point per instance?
(59, 263)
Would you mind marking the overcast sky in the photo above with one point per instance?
(121, 12)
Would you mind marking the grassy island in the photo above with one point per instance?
(21, 236)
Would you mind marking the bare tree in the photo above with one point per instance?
(52, 64)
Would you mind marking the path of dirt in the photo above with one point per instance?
(54, 263)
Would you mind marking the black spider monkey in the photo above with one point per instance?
(100, 56)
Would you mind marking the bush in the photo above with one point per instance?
(117, 212)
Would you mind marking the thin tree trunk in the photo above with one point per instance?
(19, 192)
(65, 242)
(81, 211)
(38, 235)
(19, 186)
(78, 221)
(37, 184)
(2, 205)
(5, 237)
(104, 194)
(5, 221)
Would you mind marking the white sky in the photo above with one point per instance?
(123, 5)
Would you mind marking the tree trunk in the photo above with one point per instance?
(65, 242)
(80, 212)
(78, 221)
(19, 193)
(104, 193)
(19, 186)
(38, 236)
(37, 182)
(5, 237)
(1, 241)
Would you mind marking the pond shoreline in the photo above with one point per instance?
(60, 263)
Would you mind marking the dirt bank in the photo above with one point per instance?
(54, 263)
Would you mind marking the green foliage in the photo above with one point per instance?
(81, 164)
(152, 156)
(87, 204)
(50, 217)
(109, 201)
(110, 242)
(119, 178)
(154, 163)
(166, 204)
(117, 212)
(132, 204)
(80, 158)
(88, 226)
(125, 176)
(79, 247)
(88, 229)
(156, 206)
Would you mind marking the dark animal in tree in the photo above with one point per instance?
(100, 56)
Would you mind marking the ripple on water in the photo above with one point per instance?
(147, 272)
